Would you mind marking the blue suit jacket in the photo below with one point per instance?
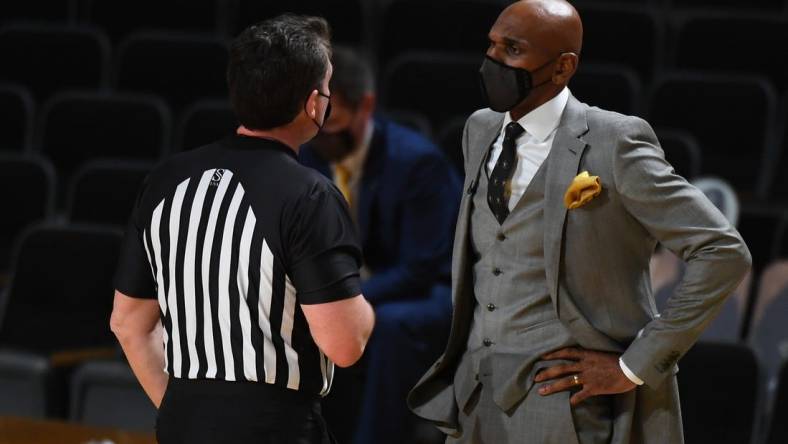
(406, 208)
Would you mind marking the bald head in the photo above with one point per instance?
(543, 37)
(552, 25)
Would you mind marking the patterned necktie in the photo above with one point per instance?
(342, 180)
(499, 183)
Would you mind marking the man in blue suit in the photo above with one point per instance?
(404, 196)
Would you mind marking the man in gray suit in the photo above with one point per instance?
(555, 336)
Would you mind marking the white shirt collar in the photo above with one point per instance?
(542, 121)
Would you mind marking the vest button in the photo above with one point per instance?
(497, 271)
(501, 237)
(491, 307)
(487, 342)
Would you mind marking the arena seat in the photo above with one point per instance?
(778, 431)
(422, 25)
(205, 122)
(181, 68)
(611, 87)
(16, 113)
(29, 189)
(714, 409)
(763, 39)
(106, 394)
(60, 295)
(733, 144)
(627, 35)
(346, 17)
(439, 86)
(48, 58)
(682, 150)
(119, 18)
(769, 331)
(105, 191)
(25, 387)
(77, 127)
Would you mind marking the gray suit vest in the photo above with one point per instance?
(514, 320)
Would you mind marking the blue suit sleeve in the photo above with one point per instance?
(431, 194)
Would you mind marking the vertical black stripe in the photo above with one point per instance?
(164, 236)
(199, 296)
(253, 300)
(183, 230)
(214, 280)
(277, 308)
(236, 335)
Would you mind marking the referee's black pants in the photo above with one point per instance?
(221, 412)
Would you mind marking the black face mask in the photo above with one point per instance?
(504, 86)
(334, 147)
(327, 113)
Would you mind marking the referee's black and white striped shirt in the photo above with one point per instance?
(232, 238)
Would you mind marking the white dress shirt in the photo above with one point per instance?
(533, 147)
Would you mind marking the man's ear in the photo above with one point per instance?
(367, 105)
(566, 67)
(311, 104)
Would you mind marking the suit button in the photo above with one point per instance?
(487, 342)
(491, 307)
(501, 237)
(497, 271)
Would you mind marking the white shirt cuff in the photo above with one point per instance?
(632, 377)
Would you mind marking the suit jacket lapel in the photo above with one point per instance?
(567, 151)
(370, 180)
(479, 143)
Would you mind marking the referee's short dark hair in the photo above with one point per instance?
(274, 66)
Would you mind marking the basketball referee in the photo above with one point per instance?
(238, 283)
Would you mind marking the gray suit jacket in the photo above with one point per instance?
(597, 263)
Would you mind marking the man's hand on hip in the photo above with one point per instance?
(598, 373)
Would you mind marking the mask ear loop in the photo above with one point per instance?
(326, 114)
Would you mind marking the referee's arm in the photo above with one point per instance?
(341, 328)
(135, 322)
(325, 257)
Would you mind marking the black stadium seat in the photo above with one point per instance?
(25, 384)
(622, 35)
(205, 122)
(61, 11)
(762, 39)
(778, 432)
(106, 394)
(439, 86)
(28, 196)
(769, 331)
(611, 87)
(181, 68)
(776, 185)
(346, 17)
(682, 150)
(767, 6)
(60, 295)
(718, 386)
(450, 141)
(118, 18)
(16, 115)
(437, 25)
(47, 58)
(105, 191)
(733, 143)
(77, 127)
(760, 230)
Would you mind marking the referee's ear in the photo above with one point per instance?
(311, 107)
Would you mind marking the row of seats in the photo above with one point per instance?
(633, 37)
(105, 394)
(73, 127)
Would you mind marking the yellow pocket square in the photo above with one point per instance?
(583, 188)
